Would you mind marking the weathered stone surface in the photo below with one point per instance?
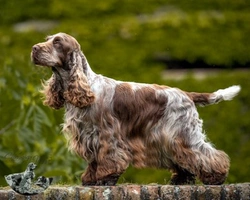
(133, 192)
(167, 192)
(102, 192)
(245, 191)
(119, 192)
(150, 192)
(85, 193)
(137, 192)
(182, 192)
(61, 193)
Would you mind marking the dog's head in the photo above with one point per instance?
(68, 83)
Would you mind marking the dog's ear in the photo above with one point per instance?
(78, 91)
(53, 93)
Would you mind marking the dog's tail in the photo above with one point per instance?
(203, 99)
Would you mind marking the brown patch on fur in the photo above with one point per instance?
(138, 111)
(199, 98)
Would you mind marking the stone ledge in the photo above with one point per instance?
(137, 192)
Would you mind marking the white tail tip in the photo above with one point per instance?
(228, 93)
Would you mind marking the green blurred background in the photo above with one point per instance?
(127, 40)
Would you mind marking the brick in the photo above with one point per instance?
(10, 194)
(229, 191)
(203, 192)
(118, 192)
(102, 192)
(150, 192)
(245, 191)
(176, 192)
(182, 192)
(16, 196)
(4, 194)
(167, 192)
(133, 192)
(86, 193)
(197, 192)
(212, 192)
(61, 193)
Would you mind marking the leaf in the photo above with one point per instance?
(43, 116)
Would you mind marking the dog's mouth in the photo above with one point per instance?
(34, 58)
(39, 60)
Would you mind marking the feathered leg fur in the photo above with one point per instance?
(208, 164)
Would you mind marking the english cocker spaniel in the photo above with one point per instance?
(112, 124)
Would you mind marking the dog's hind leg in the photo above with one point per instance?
(181, 176)
(215, 168)
(208, 164)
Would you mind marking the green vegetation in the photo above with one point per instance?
(121, 39)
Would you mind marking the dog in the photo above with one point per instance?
(112, 124)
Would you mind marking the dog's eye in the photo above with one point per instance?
(56, 40)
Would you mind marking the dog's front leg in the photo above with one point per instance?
(106, 172)
(110, 166)
(89, 176)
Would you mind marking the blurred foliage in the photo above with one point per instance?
(121, 40)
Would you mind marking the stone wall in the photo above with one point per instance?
(136, 192)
